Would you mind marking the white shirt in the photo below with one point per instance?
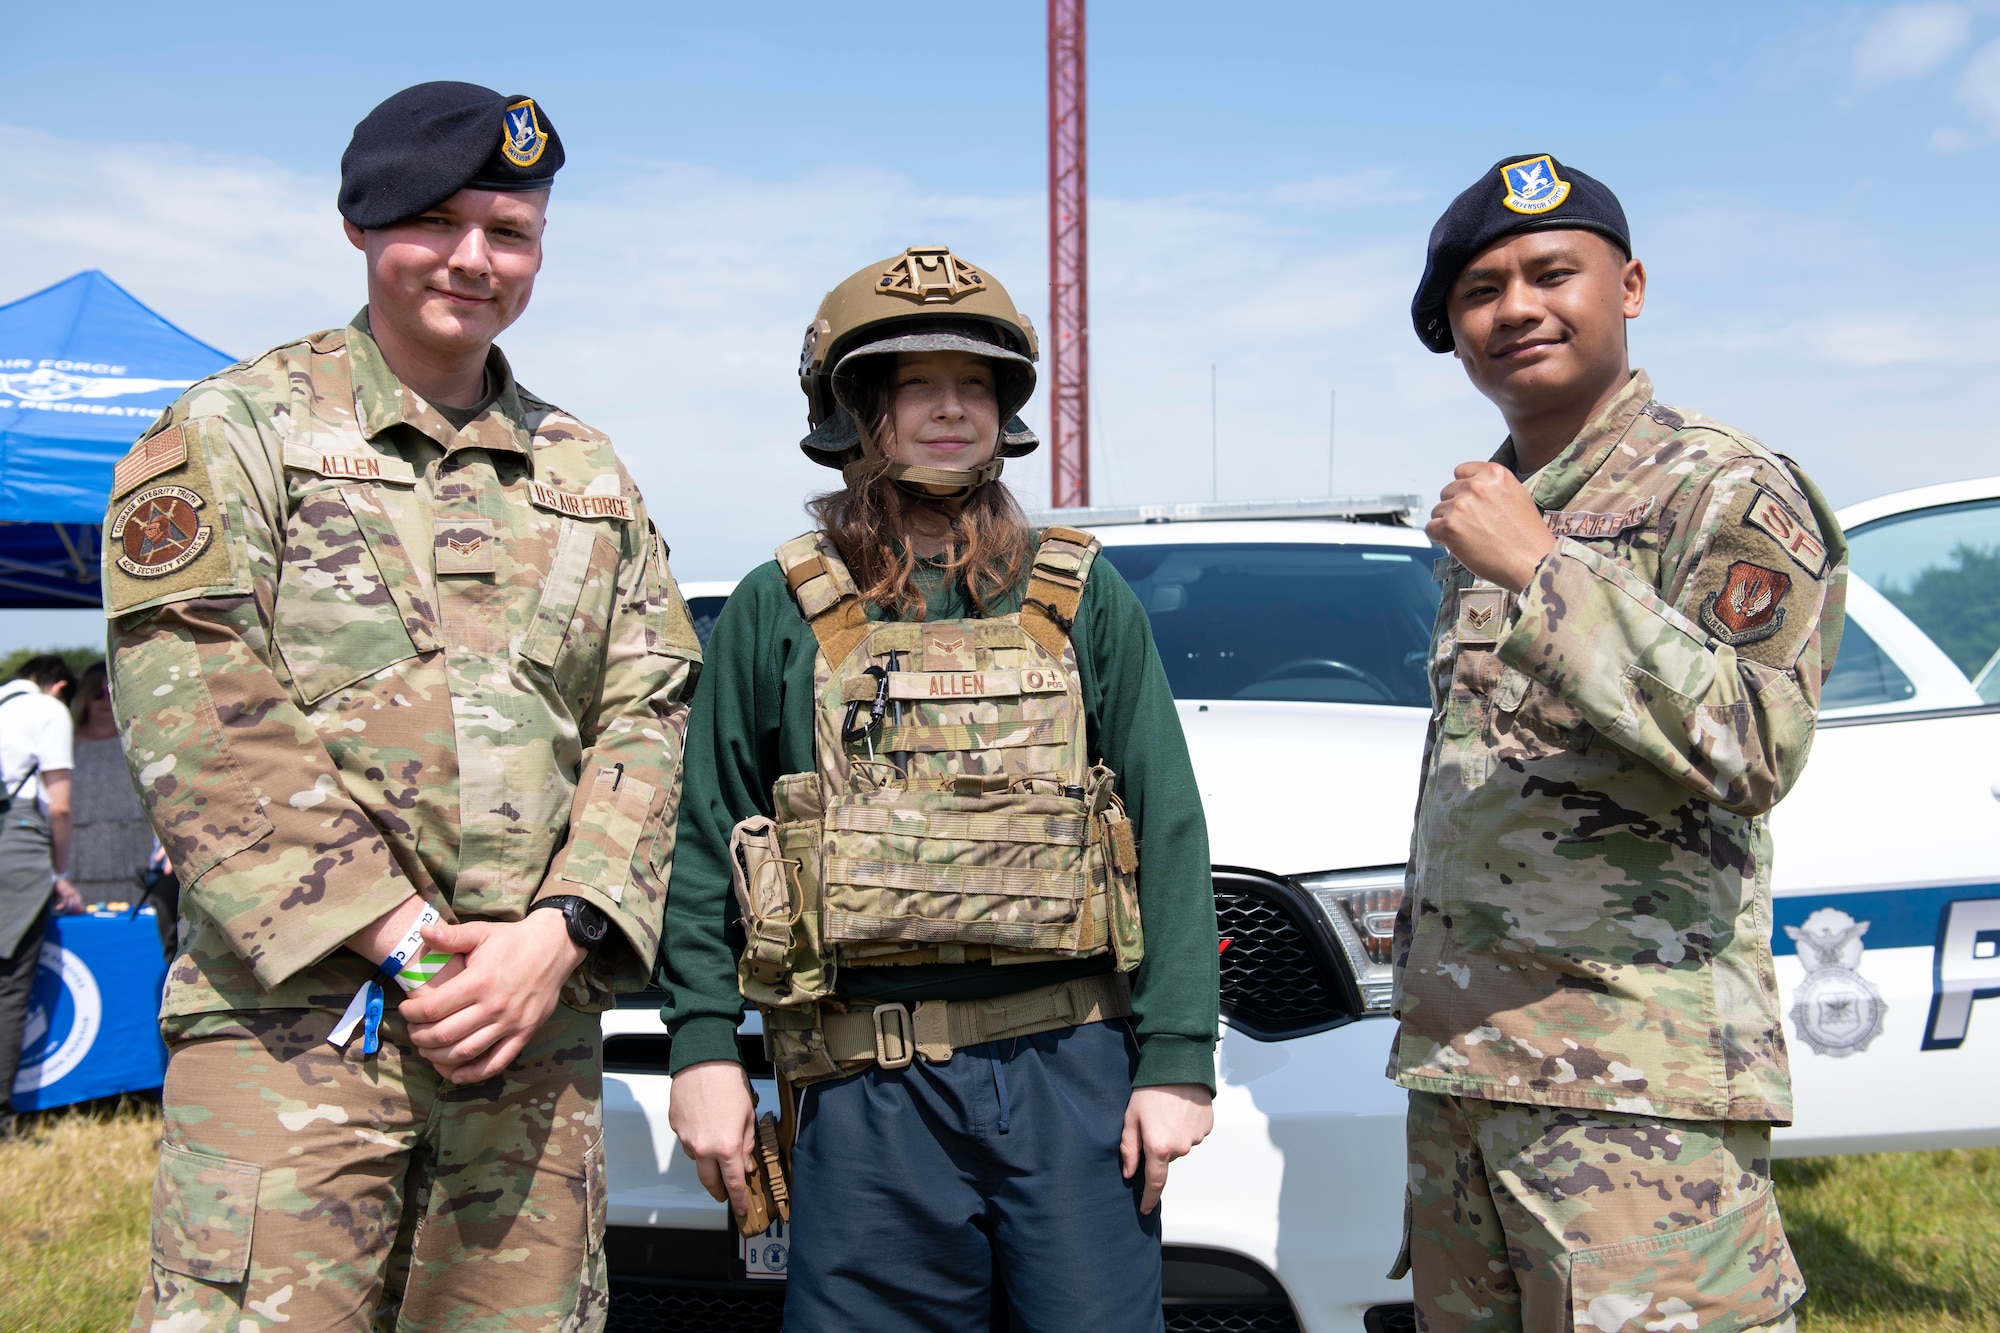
(35, 736)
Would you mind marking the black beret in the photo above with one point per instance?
(1531, 193)
(425, 144)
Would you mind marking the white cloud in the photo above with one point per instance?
(1979, 86)
(672, 304)
(1910, 40)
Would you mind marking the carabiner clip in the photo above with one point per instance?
(850, 734)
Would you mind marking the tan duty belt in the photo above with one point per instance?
(892, 1034)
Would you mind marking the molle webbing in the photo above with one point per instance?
(826, 593)
(1055, 586)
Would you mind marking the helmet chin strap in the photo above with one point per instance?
(937, 483)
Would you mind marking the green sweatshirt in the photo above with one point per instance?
(753, 722)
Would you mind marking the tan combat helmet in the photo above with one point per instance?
(926, 299)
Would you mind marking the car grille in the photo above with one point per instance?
(647, 1307)
(1230, 1319)
(1279, 974)
(1391, 1319)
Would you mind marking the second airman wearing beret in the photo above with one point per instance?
(402, 675)
(1640, 606)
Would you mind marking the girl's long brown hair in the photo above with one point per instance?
(868, 522)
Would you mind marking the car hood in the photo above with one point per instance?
(1296, 787)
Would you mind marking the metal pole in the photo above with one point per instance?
(1214, 486)
(1069, 262)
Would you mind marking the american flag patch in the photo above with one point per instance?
(148, 459)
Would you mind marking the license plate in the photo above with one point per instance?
(766, 1256)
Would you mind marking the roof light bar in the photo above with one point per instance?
(1394, 510)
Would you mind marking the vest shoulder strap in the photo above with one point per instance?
(826, 593)
(1055, 585)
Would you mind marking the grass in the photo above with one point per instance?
(1896, 1242)
(75, 1189)
(1890, 1244)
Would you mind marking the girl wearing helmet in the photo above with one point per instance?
(928, 743)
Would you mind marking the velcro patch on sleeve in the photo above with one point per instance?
(1794, 535)
(1758, 587)
(149, 458)
(576, 504)
(167, 541)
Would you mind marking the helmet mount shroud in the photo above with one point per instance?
(926, 299)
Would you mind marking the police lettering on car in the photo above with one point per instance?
(398, 661)
(1640, 607)
(929, 743)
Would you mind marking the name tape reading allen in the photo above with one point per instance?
(998, 683)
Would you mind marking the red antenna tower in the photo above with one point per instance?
(1069, 264)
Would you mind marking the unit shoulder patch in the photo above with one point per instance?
(149, 458)
(1794, 535)
(168, 540)
(159, 531)
(1749, 606)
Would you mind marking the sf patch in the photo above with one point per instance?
(1771, 516)
(1533, 187)
(159, 531)
(1749, 606)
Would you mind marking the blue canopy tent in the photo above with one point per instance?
(84, 368)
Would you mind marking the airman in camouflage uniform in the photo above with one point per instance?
(1625, 673)
(371, 655)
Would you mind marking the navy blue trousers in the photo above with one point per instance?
(982, 1193)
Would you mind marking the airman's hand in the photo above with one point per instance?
(713, 1115)
(474, 1018)
(1162, 1124)
(1489, 521)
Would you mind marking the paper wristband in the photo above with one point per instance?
(407, 962)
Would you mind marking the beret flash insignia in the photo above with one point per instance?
(1533, 186)
(522, 139)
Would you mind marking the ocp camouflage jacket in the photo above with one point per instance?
(1586, 918)
(359, 654)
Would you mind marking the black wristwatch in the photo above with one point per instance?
(587, 926)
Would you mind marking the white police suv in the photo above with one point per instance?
(1294, 635)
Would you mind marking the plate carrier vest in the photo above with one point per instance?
(953, 818)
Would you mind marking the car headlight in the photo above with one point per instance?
(1360, 907)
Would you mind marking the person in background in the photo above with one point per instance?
(34, 842)
(109, 832)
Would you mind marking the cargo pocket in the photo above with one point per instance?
(203, 1211)
(605, 835)
(204, 811)
(1735, 1272)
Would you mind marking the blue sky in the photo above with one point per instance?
(1813, 187)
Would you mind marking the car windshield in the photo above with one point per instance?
(1941, 568)
(1313, 622)
(703, 611)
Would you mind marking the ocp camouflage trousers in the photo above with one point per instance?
(326, 1190)
(1543, 1218)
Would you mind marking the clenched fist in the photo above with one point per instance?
(1489, 521)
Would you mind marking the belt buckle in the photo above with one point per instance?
(895, 1044)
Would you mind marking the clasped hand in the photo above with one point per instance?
(502, 985)
(1490, 522)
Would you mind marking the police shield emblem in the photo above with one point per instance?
(522, 139)
(1837, 1010)
(1533, 186)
